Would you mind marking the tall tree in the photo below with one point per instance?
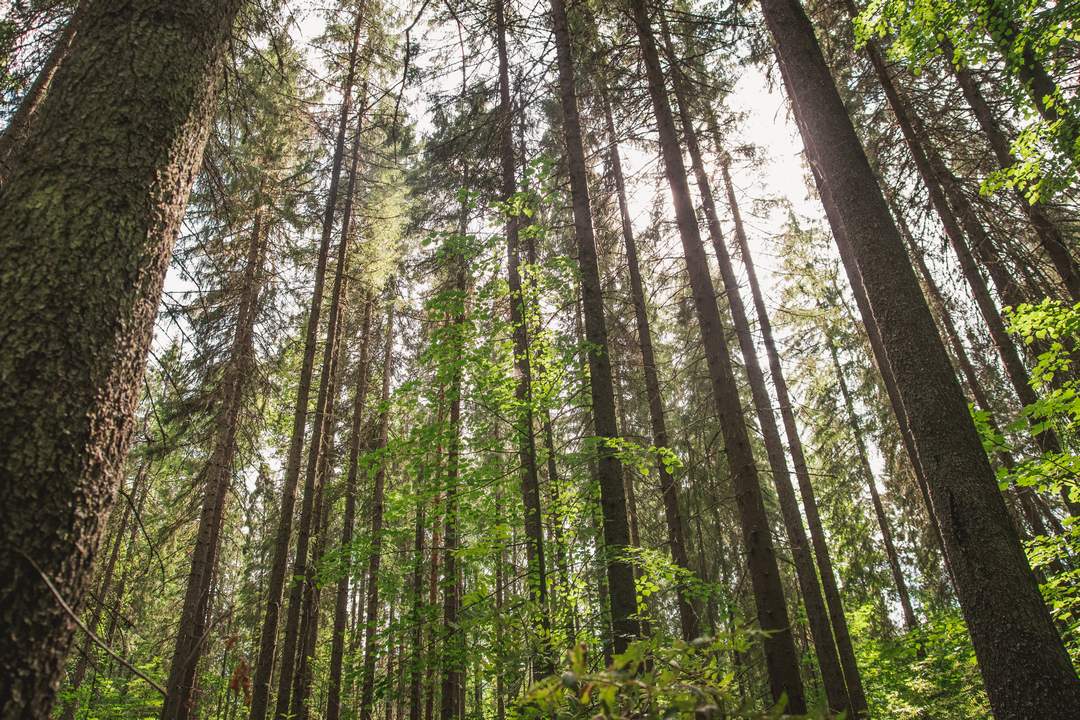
(1023, 662)
(620, 573)
(530, 480)
(264, 667)
(341, 597)
(780, 656)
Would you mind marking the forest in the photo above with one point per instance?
(522, 359)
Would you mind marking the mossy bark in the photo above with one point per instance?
(88, 216)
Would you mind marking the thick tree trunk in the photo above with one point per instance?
(264, 666)
(525, 427)
(780, 654)
(217, 480)
(104, 588)
(371, 615)
(341, 599)
(1023, 661)
(620, 574)
(87, 221)
(841, 633)
(688, 620)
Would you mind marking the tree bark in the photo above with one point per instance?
(779, 647)
(87, 221)
(264, 666)
(1023, 661)
(620, 574)
(21, 122)
(341, 599)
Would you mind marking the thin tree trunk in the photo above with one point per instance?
(264, 666)
(86, 231)
(910, 622)
(417, 660)
(1023, 661)
(217, 480)
(530, 483)
(371, 616)
(817, 616)
(1047, 230)
(779, 647)
(841, 632)
(688, 620)
(337, 650)
(322, 439)
(620, 574)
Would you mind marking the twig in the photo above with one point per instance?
(82, 626)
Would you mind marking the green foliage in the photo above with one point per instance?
(928, 672)
(650, 680)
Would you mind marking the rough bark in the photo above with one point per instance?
(341, 598)
(1024, 664)
(87, 221)
(779, 647)
(21, 122)
(264, 666)
(371, 614)
(620, 574)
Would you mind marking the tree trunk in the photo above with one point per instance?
(1024, 664)
(322, 438)
(341, 599)
(524, 425)
(68, 712)
(217, 481)
(371, 616)
(417, 660)
(86, 229)
(620, 574)
(780, 656)
(832, 674)
(264, 666)
(1047, 230)
(841, 633)
(910, 622)
(688, 620)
